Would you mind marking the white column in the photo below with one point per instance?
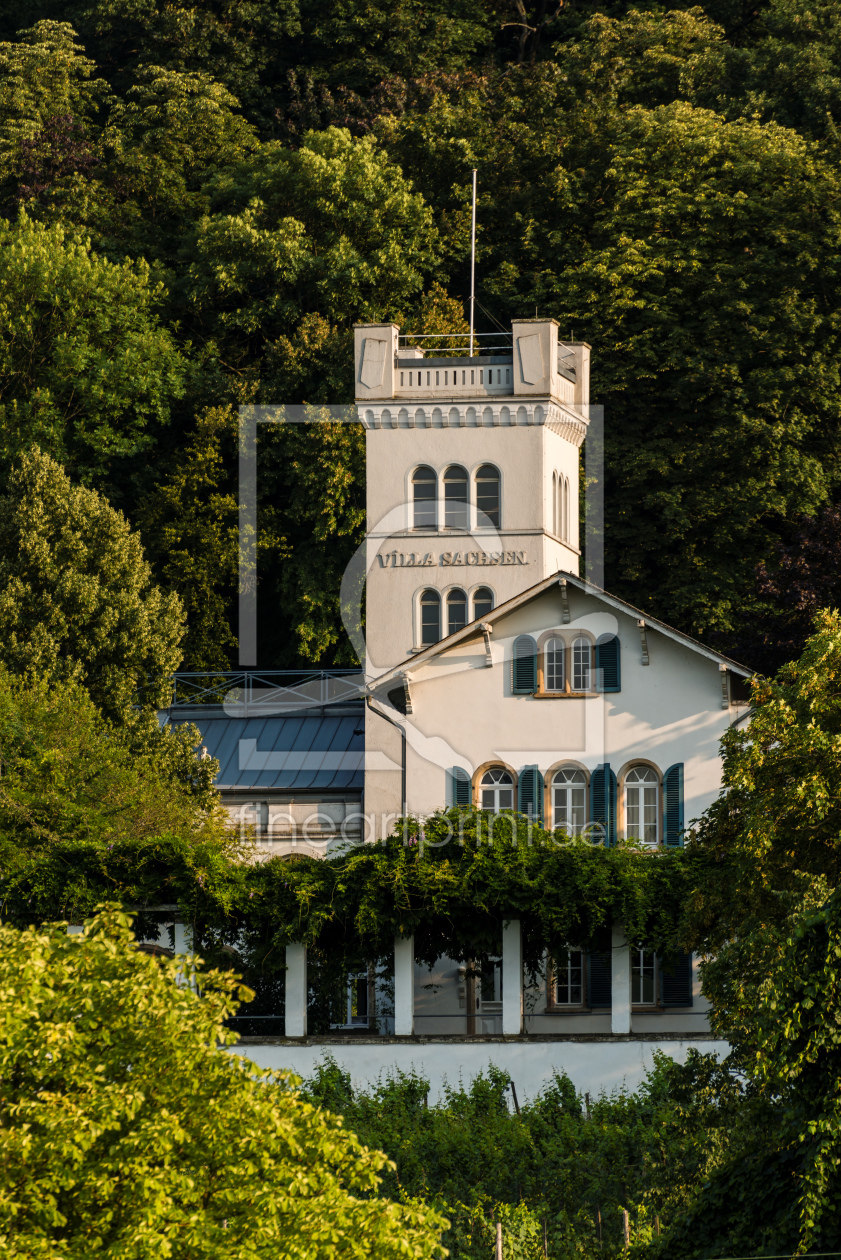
(512, 979)
(620, 956)
(404, 986)
(183, 944)
(296, 991)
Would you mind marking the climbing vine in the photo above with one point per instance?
(451, 883)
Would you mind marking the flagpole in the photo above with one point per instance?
(473, 264)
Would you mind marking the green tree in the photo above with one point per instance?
(86, 370)
(332, 228)
(165, 140)
(45, 76)
(86, 813)
(189, 523)
(127, 1128)
(766, 913)
(696, 255)
(77, 599)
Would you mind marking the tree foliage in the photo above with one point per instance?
(86, 370)
(77, 599)
(663, 182)
(565, 1163)
(128, 1129)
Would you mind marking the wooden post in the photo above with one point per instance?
(657, 1226)
(514, 1096)
(587, 1106)
(545, 1240)
(499, 1240)
(599, 1224)
(626, 1225)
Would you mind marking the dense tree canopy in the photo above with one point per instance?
(127, 1129)
(212, 197)
(77, 599)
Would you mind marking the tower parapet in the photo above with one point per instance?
(472, 474)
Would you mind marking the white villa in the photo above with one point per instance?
(497, 676)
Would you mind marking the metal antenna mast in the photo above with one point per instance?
(473, 264)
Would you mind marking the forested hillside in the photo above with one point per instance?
(198, 203)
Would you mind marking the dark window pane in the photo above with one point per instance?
(455, 498)
(483, 602)
(456, 611)
(487, 496)
(424, 494)
(430, 617)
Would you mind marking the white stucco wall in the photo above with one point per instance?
(526, 458)
(592, 1065)
(465, 713)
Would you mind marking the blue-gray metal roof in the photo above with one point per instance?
(300, 752)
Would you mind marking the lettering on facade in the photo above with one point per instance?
(421, 559)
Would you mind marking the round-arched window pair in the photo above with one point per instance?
(555, 665)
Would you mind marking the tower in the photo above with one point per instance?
(472, 476)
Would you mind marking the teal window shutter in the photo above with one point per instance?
(673, 806)
(530, 793)
(676, 981)
(603, 802)
(524, 666)
(459, 786)
(608, 663)
(599, 980)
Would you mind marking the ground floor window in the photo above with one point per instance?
(643, 978)
(641, 805)
(569, 800)
(568, 973)
(497, 789)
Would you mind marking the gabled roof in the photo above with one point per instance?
(502, 610)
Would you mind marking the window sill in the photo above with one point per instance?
(564, 695)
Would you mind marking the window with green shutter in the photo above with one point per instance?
(676, 981)
(459, 786)
(603, 802)
(673, 824)
(599, 984)
(530, 793)
(608, 663)
(524, 666)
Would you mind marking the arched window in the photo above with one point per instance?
(456, 611)
(553, 665)
(641, 805)
(424, 496)
(496, 789)
(555, 503)
(487, 496)
(483, 602)
(569, 800)
(456, 499)
(430, 606)
(581, 657)
(565, 534)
